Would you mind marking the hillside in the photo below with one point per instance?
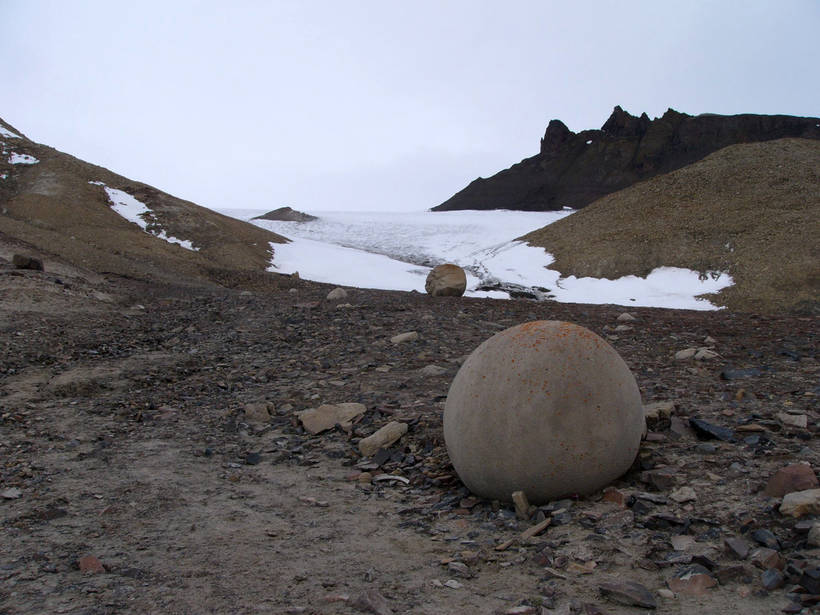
(575, 169)
(57, 207)
(752, 210)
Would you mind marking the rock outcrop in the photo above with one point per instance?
(286, 214)
(572, 170)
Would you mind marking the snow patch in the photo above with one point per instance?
(5, 132)
(137, 212)
(16, 158)
(396, 250)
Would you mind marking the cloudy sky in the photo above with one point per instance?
(377, 104)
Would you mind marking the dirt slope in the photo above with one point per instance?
(752, 210)
(52, 207)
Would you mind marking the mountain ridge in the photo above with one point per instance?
(574, 169)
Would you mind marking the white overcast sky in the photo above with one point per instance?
(382, 104)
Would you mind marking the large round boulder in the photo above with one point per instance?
(446, 281)
(547, 408)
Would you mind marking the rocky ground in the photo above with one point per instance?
(152, 458)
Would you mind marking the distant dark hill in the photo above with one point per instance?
(572, 170)
(54, 209)
(752, 210)
(286, 214)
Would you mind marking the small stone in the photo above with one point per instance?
(337, 294)
(614, 496)
(766, 558)
(460, 570)
(524, 609)
(623, 328)
(410, 336)
(382, 438)
(661, 479)
(766, 538)
(738, 547)
(12, 493)
(704, 354)
(799, 503)
(737, 374)
(682, 542)
(683, 355)
(793, 420)
(258, 412)
(709, 340)
(432, 370)
(706, 430)
(90, 564)
(327, 416)
(693, 580)
(453, 584)
(729, 573)
(628, 593)
(371, 601)
(684, 494)
(522, 505)
(626, 317)
(668, 594)
(810, 580)
(772, 579)
(813, 538)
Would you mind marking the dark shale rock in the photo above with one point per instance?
(572, 170)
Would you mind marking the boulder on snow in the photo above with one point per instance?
(446, 281)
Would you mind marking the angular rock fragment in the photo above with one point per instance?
(628, 593)
(801, 503)
(327, 416)
(793, 477)
(772, 579)
(800, 421)
(383, 438)
(738, 547)
(410, 336)
(693, 580)
(706, 430)
(684, 494)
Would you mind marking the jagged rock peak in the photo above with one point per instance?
(557, 134)
(622, 124)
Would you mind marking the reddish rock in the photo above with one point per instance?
(614, 496)
(90, 564)
(794, 477)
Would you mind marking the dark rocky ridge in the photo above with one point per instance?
(572, 170)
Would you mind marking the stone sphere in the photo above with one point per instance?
(547, 408)
(446, 281)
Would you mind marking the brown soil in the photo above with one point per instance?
(752, 210)
(124, 432)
